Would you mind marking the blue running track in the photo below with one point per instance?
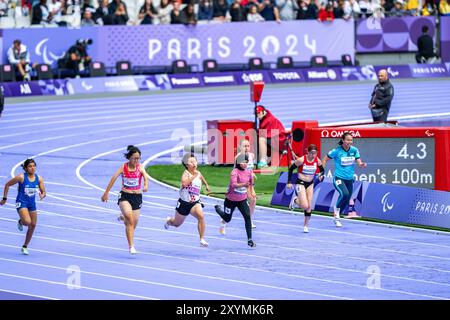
(78, 144)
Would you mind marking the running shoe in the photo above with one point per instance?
(251, 243)
(133, 250)
(25, 251)
(262, 164)
(166, 225)
(19, 225)
(203, 243)
(305, 229)
(222, 228)
(293, 204)
(337, 223)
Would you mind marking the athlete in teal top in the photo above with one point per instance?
(345, 156)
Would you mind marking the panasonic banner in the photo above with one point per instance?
(161, 44)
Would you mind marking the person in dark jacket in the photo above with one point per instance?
(425, 46)
(381, 97)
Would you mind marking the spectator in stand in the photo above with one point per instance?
(101, 15)
(288, 9)
(253, 15)
(365, 8)
(41, 13)
(87, 19)
(269, 11)
(112, 7)
(147, 12)
(425, 46)
(429, 8)
(188, 15)
(19, 57)
(220, 9)
(308, 10)
(412, 7)
(55, 7)
(120, 16)
(444, 7)
(397, 10)
(3, 8)
(326, 13)
(175, 15)
(237, 12)
(205, 10)
(87, 5)
(163, 12)
(387, 5)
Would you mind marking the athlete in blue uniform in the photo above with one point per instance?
(29, 185)
(345, 156)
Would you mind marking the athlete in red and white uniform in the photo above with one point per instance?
(189, 201)
(308, 166)
(130, 197)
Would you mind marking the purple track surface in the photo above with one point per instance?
(78, 144)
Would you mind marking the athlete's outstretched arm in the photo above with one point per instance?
(13, 181)
(42, 188)
(111, 183)
(360, 163)
(206, 183)
(144, 174)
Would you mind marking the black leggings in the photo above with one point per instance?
(244, 208)
(345, 189)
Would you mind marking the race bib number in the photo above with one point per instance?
(240, 190)
(131, 182)
(347, 161)
(193, 190)
(30, 191)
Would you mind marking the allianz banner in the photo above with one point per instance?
(161, 44)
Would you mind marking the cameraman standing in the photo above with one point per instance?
(77, 58)
(382, 95)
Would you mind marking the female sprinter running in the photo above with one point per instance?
(308, 166)
(189, 201)
(344, 156)
(241, 183)
(245, 150)
(29, 185)
(130, 197)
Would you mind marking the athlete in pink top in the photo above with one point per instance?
(130, 197)
(241, 182)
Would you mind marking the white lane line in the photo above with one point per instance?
(235, 253)
(312, 239)
(81, 287)
(67, 185)
(26, 294)
(81, 165)
(224, 279)
(128, 278)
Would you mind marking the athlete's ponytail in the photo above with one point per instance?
(344, 135)
(131, 150)
(27, 162)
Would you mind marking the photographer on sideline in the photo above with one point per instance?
(77, 58)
